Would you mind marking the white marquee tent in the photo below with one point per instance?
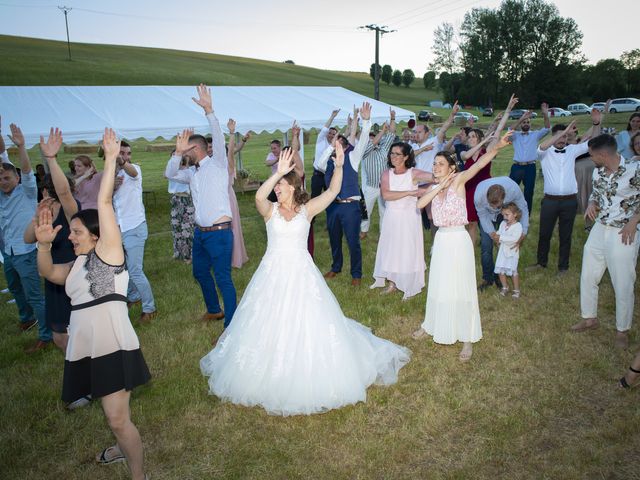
(149, 112)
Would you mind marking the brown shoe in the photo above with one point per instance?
(330, 274)
(134, 303)
(207, 317)
(27, 325)
(584, 325)
(146, 317)
(622, 340)
(363, 235)
(39, 345)
(356, 282)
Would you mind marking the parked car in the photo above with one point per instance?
(425, 115)
(487, 112)
(519, 112)
(624, 105)
(598, 106)
(579, 108)
(559, 112)
(467, 116)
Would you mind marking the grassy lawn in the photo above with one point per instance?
(535, 401)
(30, 61)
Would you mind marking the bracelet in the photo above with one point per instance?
(41, 250)
(595, 124)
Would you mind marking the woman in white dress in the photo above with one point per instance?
(290, 349)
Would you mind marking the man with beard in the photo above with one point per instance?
(525, 152)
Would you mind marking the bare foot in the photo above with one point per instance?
(466, 352)
(390, 289)
(418, 334)
(585, 324)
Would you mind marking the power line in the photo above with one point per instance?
(443, 13)
(408, 12)
(66, 10)
(380, 30)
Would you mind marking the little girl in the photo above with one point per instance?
(508, 236)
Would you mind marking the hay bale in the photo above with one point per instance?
(81, 149)
(160, 147)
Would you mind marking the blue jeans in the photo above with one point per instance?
(139, 287)
(213, 250)
(486, 252)
(345, 217)
(525, 174)
(23, 281)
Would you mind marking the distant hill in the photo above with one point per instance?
(30, 61)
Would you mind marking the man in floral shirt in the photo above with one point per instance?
(613, 242)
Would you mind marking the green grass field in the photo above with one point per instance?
(535, 402)
(29, 61)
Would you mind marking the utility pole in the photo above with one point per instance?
(380, 30)
(66, 10)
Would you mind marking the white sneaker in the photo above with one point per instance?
(79, 403)
(13, 300)
(4, 290)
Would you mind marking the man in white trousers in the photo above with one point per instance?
(613, 243)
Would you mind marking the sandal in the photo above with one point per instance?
(623, 381)
(104, 459)
(515, 294)
(504, 291)
(465, 354)
(418, 334)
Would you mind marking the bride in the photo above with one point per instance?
(289, 348)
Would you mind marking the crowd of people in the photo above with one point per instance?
(284, 351)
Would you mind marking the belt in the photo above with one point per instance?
(317, 172)
(217, 226)
(561, 197)
(346, 200)
(182, 194)
(524, 164)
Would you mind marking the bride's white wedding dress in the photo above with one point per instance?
(289, 348)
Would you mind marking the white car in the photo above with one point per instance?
(467, 116)
(559, 112)
(598, 106)
(624, 105)
(579, 108)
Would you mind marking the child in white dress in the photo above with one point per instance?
(508, 237)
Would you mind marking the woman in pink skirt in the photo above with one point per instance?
(239, 256)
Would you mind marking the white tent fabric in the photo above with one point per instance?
(149, 112)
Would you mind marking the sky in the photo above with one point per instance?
(311, 33)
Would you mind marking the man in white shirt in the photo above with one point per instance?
(525, 145)
(324, 140)
(130, 214)
(208, 180)
(560, 202)
(614, 240)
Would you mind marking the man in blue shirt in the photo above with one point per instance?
(18, 201)
(525, 152)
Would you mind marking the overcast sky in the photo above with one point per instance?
(313, 33)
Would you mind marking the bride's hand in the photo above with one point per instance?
(285, 163)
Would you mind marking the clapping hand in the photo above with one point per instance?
(231, 126)
(204, 98)
(43, 226)
(51, 147)
(110, 144)
(339, 158)
(16, 135)
(182, 142)
(285, 162)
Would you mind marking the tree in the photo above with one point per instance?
(387, 73)
(606, 79)
(372, 70)
(631, 62)
(290, 62)
(444, 49)
(408, 77)
(429, 80)
(396, 79)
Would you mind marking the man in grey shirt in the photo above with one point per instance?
(490, 195)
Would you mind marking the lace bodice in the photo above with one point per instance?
(450, 211)
(90, 279)
(287, 235)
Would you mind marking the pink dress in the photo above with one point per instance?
(239, 256)
(452, 313)
(400, 254)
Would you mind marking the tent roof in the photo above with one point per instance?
(149, 112)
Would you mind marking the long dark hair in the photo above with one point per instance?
(450, 158)
(300, 197)
(633, 115)
(407, 151)
(89, 219)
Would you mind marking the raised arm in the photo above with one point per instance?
(3, 148)
(434, 190)
(596, 125)
(18, 139)
(545, 115)
(356, 155)
(45, 235)
(322, 201)
(516, 125)
(205, 101)
(231, 147)
(295, 146)
(332, 117)
(353, 127)
(285, 165)
(445, 126)
(559, 134)
(173, 172)
(392, 120)
(109, 245)
(484, 160)
(243, 142)
(50, 150)
(472, 151)
(513, 101)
